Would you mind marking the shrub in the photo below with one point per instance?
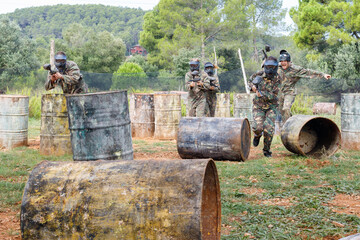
(302, 105)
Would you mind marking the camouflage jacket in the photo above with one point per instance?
(269, 89)
(196, 91)
(209, 83)
(292, 75)
(72, 83)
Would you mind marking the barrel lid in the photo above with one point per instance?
(13, 96)
(95, 93)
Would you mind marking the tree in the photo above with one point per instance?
(17, 57)
(149, 69)
(129, 75)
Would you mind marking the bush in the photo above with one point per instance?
(302, 105)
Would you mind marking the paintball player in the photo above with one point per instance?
(197, 91)
(211, 82)
(290, 75)
(266, 85)
(67, 75)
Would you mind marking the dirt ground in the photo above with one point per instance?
(10, 220)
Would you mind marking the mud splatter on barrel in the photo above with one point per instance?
(142, 115)
(14, 117)
(167, 115)
(350, 121)
(99, 124)
(222, 105)
(311, 136)
(54, 130)
(218, 138)
(243, 103)
(140, 199)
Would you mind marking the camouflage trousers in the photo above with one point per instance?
(211, 102)
(264, 122)
(285, 103)
(197, 106)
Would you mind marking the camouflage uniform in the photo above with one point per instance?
(264, 108)
(72, 83)
(290, 77)
(212, 88)
(197, 96)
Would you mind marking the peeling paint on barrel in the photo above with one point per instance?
(140, 199)
(350, 121)
(216, 138)
(311, 136)
(14, 117)
(54, 130)
(167, 115)
(222, 105)
(142, 115)
(99, 124)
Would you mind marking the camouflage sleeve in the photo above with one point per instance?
(73, 75)
(301, 72)
(206, 81)
(250, 84)
(273, 93)
(187, 83)
(49, 84)
(217, 84)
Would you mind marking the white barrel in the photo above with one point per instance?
(222, 105)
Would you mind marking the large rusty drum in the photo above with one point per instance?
(54, 130)
(14, 117)
(99, 124)
(311, 136)
(350, 121)
(140, 199)
(243, 103)
(167, 115)
(222, 105)
(142, 115)
(218, 138)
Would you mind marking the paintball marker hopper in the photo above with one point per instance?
(51, 69)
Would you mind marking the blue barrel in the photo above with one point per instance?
(99, 126)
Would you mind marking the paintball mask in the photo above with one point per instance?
(209, 68)
(60, 61)
(194, 65)
(284, 56)
(271, 66)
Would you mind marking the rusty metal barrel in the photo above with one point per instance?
(54, 130)
(140, 199)
(218, 138)
(167, 115)
(324, 108)
(14, 117)
(311, 136)
(350, 121)
(142, 115)
(243, 103)
(222, 105)
(99, 125)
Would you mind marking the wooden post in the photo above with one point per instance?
(216, 64)
(244, 75)
(52, 53)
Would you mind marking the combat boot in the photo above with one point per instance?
(256, 141)
(267, 153)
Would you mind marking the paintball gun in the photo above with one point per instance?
(51, 69)
(212, 79)
(264, 51)
(257, 80)
(194, 74)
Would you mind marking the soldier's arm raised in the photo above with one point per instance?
(301, 72)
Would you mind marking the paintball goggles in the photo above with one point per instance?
(257, 80)
(51, 69)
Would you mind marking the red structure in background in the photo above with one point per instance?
(137, 49)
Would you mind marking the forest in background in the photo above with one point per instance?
(98, 39)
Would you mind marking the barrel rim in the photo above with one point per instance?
(95, 93)
(167, 94)
(357, 94)
(142, 94)
(52, 94)
(12, 96)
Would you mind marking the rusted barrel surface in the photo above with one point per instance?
(142, 115)
(99, 124)
(167, 115)
(350, 121)
(311, 136)
(14, 117)
(324, 108)
(151, 199)
(54, 130)
(243, 103)
(218, 138)
(222, 105)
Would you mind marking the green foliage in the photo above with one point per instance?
(50, 21)
(302, 105)
(149, 69)
(16, 53)
(181, 61)
(129, 75)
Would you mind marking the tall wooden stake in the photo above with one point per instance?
(52, 53)
(244, 75)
